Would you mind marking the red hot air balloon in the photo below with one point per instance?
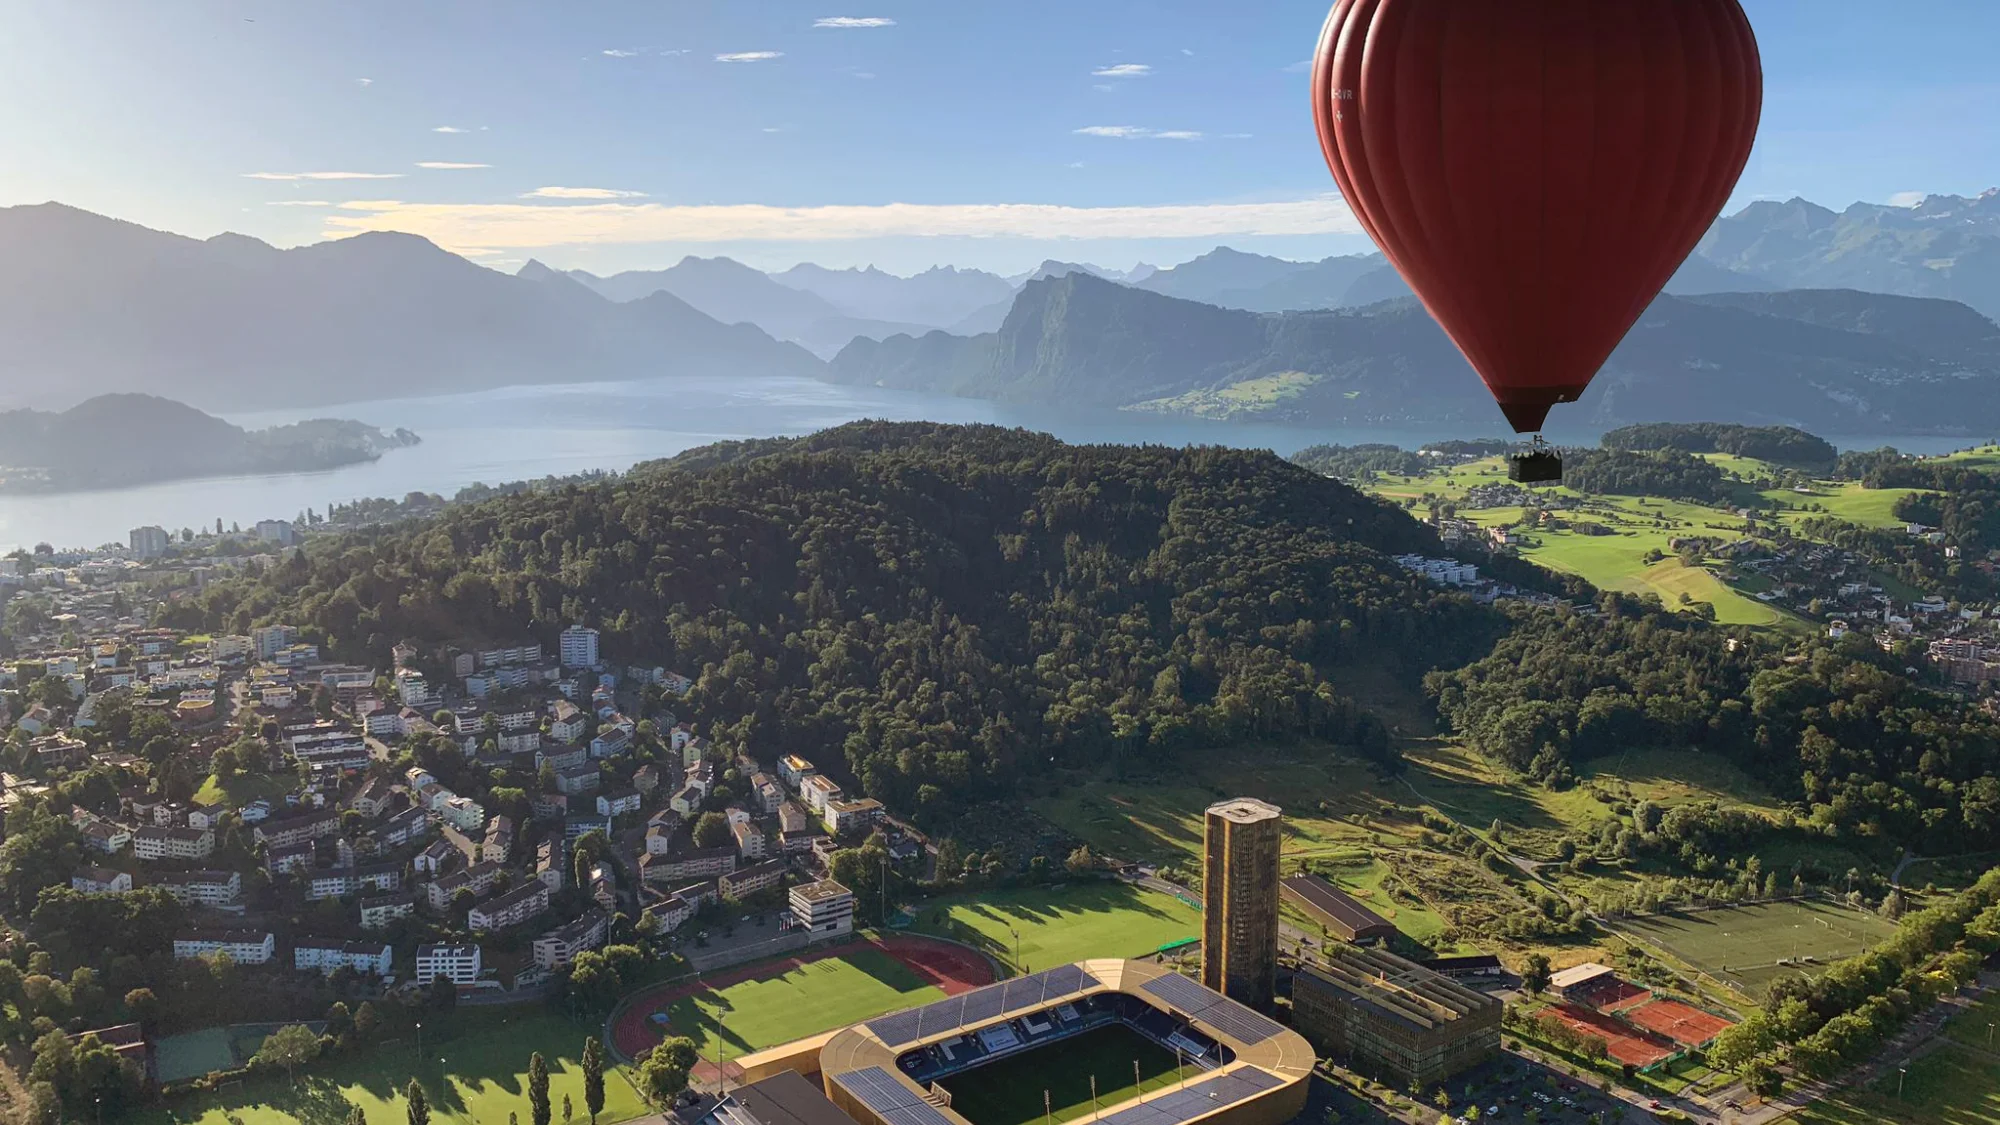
(1536, 169)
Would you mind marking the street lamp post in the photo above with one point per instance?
(1902, 1072)
(420, 1039)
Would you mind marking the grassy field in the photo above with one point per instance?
(805, 1000)
(1009, 1092)
(1060, 925)
(243, 789)
(479, 1076)
(1952, 1086)
(1743, 944)
(1246, 397)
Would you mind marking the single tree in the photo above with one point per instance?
(420, 1107)
(1535, 975)
(664, 1071)
(593, 1077)
(288, 1047)
(356, 1116)
(538, 1088)
(569, 1110)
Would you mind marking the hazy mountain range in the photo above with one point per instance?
(1836, 360)
(114, 440)
(90, 305)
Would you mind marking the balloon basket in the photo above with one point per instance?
(1538, 464)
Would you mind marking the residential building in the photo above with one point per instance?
(434, 859)
(463, 813)
(823, 909)
(408, 826)
(849, 817)
(578, 647)
(687, 800)
(577, 780)
(1391, 1018)
(510, 909)
(793, 771)
(621, 803)
(297, 829)
(372, 799)
(646, 779)
(672, 911)
(499, 843)
(579, 823)
(561, 756)
(1239, 953)
(561, 945)
(150, 542)
(746, 881)
(215, 889)
(288, 859)
(749, 839)
(478, 879)
(339, 882)
(380, 910)
(106, 836)
(100, 881)
(818, 790)
(456, 963)
(153, 842)
(271, 640)
(691, 864)
(550, 857)
(330, 955)
(610, 742)
(567, 721)
(245, 947)
(767, 793)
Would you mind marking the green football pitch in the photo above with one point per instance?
(1042, 927)
(1011, 1091)
(1743, 945)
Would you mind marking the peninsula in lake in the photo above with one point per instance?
(114, 441)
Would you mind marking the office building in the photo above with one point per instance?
(1239, 950)
(1393, 1020)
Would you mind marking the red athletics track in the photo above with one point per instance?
(950, 967)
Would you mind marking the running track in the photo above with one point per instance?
(950, 967)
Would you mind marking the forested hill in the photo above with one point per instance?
(955, 606)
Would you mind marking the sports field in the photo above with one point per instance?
(1009, 1092)
(1744, 945)
(478, 1074)
(761, 1005)
(1038, 928)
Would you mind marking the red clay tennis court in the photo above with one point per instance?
(1625, 1044)
(947, 966)
(1690, 1027)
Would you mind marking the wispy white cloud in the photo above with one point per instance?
(1299, 67)
(1104, 89)
(582, 193)
(323, 175)
(673, 53)
(776, 128)
(1907, 198)
(854, 21)
(749, 56)
(528, 225)
(1136, 132)
(1124, 70)
(1187, 52)
(364, 82)
(1237, 136)
(618, 53)
(449, 164)
(297, 203)
(446, 129)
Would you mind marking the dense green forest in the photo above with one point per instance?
(1665, 473)
(951, 606)
(1866, 751)
(1781, 445)
(1356, 462)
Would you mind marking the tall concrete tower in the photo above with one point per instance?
(1239, 880)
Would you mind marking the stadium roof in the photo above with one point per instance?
(862, 1060)
(785, 1098)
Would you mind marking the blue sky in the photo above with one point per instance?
(900, 133)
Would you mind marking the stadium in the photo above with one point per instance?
(1122, 1042)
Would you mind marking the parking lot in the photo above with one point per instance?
(1505, 1089)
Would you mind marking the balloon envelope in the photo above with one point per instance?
(1537, 169)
